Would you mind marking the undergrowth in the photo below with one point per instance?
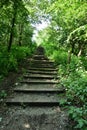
(9, 60)
(74, 78)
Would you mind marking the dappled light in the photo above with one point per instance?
(26, 125)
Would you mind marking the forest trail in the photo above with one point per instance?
(35, 101)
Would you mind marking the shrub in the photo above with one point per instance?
(60, 57)
(9, 61)
(74, 77)
(76, 84)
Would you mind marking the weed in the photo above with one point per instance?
(3, 94)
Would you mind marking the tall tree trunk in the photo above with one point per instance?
(80, 52)
(12, 30)
(20, 34)
(81, 49)
(69, 56)
(69, 60)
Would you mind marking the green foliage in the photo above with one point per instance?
(79, 116)
(78, 35)
(68, 15)
(15, 25)
(21, 52)
(60, 57)
(9, 61)
(3, 94)
(78, 39)
(74, 78)
(49, 48)
(84, 62)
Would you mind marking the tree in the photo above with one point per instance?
(14, 23)
(68, 16)
(78, 40)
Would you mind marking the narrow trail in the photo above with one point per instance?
(34, 103)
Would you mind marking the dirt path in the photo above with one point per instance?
(35, 101)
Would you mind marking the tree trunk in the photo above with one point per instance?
(69, 60)
(69, 56)
(20, 35)
(12, 31)
(80, 52)
(80, 49)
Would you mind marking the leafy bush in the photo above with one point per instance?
(76, 84)
(79, 116)
(84, 62)
(20, 52)
(74, 78)
(60, 57)
(9, 61)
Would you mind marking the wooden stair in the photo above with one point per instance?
(33, 89)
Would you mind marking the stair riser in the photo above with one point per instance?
(31, 82)
(33, 77)
(43, 69)
(41, 62)
(40, 91)
(40, 58)
(42, 66)
(36, 104)
(42, 72)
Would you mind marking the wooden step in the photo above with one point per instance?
(40, 90)
(39, 57)
(37, 86)
(41, 61)
(40, 66)
(39, 81)
(34, 99)
(35, 65)
(42, 69)
(38, 76)
(41, 72)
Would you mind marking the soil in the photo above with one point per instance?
(28, 118)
